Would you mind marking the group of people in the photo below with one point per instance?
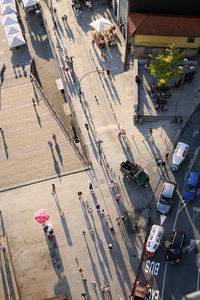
(77, 6)
(104, 38)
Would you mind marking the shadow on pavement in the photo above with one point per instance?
(4, 143)
(63, 220)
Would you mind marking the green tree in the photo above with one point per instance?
(165, 65)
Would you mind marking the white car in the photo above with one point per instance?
(179, 155)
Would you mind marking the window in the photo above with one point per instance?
(191, 39)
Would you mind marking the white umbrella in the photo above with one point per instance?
(13, 29)
(15, 40)
(2, 2)
(100, 24)
(28, 3)
(9, 20)
(8, 9)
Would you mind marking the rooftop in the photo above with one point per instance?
(173, 25)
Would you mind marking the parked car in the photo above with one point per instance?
(135, 172)
(179, 155)
(190, 187)
(174, 250)
(166, 198)
(140, 291)
(154, 240)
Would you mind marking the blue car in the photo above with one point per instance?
(191, 185)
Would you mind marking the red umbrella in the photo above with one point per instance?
(42, 216)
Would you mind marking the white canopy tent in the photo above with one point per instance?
(3, 2)
(7, 9)
(12, 30)
(15, 40)
(100, 24)
(9, 20)
(28, 3)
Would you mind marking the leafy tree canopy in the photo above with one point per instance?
(165, 65)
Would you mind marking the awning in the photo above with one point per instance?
(8, 9)
(15, 40)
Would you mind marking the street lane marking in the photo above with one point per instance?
(152, 267)
(195, 211)
(162, 219)
(163, 285)
(195, 132)
(190, 164)
(198, 279)
(193, 244)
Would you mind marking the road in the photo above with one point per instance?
(170, 282)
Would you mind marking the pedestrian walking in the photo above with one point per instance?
(90, 210)
(137, 79)
(84, 233)
(108, 289)
(108, 73)
(103, 288)
(103, 55)
(84, 280)
(166, 156)
(115, 181)
(76, 260)
(91, 232)
(54, 137)
(119, 136)
(87, 126)
(103, 72)
(50, 144)
(94, 284)
(93, 192)
(79, 193)
(90, 186)
(123, 132)
(2, 246)
(53, 188)
(163, 164)
(107, 216)
(80, 270)
(93, 42)
(158, 161)
(117, 197)
(58, 46)
(150, 132)
(83, 295)
(118, 220)
(34, 102)
(55, 10)
(55, 25)
(102, 212)
(110, 246)
(97, 206)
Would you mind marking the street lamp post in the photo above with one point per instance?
(182, 82)
(79, 84)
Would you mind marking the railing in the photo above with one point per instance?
(56, 117)
(67, 95)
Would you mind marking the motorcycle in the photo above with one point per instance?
(161, 107)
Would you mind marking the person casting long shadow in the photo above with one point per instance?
(4, 143)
